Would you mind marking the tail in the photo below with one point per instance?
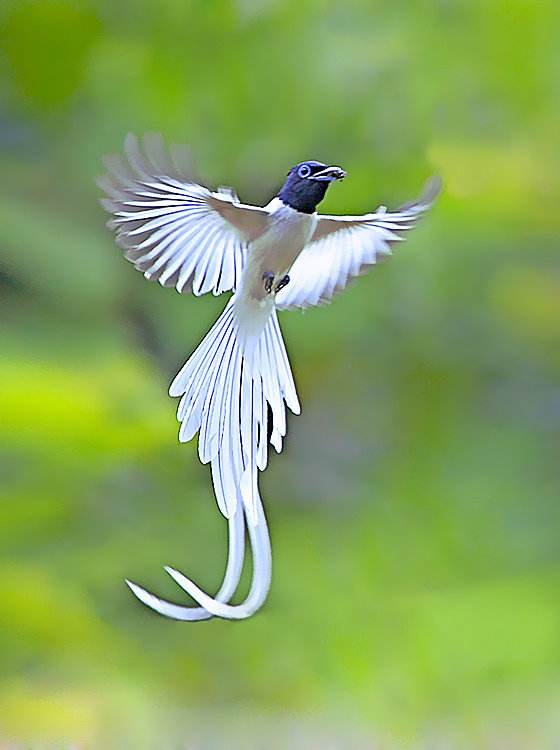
(234, 381)
(226, 389)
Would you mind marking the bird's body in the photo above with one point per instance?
(271, 256)
(287, 233)
(233, 388)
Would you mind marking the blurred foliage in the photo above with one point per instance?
(415, 512)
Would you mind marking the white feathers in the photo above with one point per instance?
(174, 230)
(226, 389)
(236, 554)
(234, 388)
(344, 246)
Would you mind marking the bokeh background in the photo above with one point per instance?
(415, 512)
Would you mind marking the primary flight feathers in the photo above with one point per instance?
(173, 230)
(343, 247)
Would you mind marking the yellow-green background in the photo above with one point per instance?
(415, 512)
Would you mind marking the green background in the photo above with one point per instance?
(415, 512)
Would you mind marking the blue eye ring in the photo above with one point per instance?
(304, 170)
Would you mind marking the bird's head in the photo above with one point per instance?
(307, 184)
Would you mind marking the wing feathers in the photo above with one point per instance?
(343, 247)
(172, 229)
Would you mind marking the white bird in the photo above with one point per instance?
(233, 388)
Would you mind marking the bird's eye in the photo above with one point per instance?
(304, 170)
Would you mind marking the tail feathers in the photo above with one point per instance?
(226, 388)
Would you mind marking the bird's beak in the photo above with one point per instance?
(328, 174)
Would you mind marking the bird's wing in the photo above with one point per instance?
(176, 231)
(344, 246)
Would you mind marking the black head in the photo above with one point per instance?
(307, 184)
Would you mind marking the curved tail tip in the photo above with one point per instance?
(139, 592)
(132, 586)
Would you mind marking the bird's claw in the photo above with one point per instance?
(284, 281)
(268, 278)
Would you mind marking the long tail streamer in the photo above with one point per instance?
(228, 388)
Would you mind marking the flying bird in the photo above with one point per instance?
(234, 388)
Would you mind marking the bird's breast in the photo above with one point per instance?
(277, 248)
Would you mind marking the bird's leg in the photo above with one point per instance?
(236, 553)
(268, 278)
(284, 281)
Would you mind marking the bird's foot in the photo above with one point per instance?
(284, 281)
(268, 278)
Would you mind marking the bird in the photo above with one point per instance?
(234, 388)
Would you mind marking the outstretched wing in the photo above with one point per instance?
(176, 231)
(344, 246)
